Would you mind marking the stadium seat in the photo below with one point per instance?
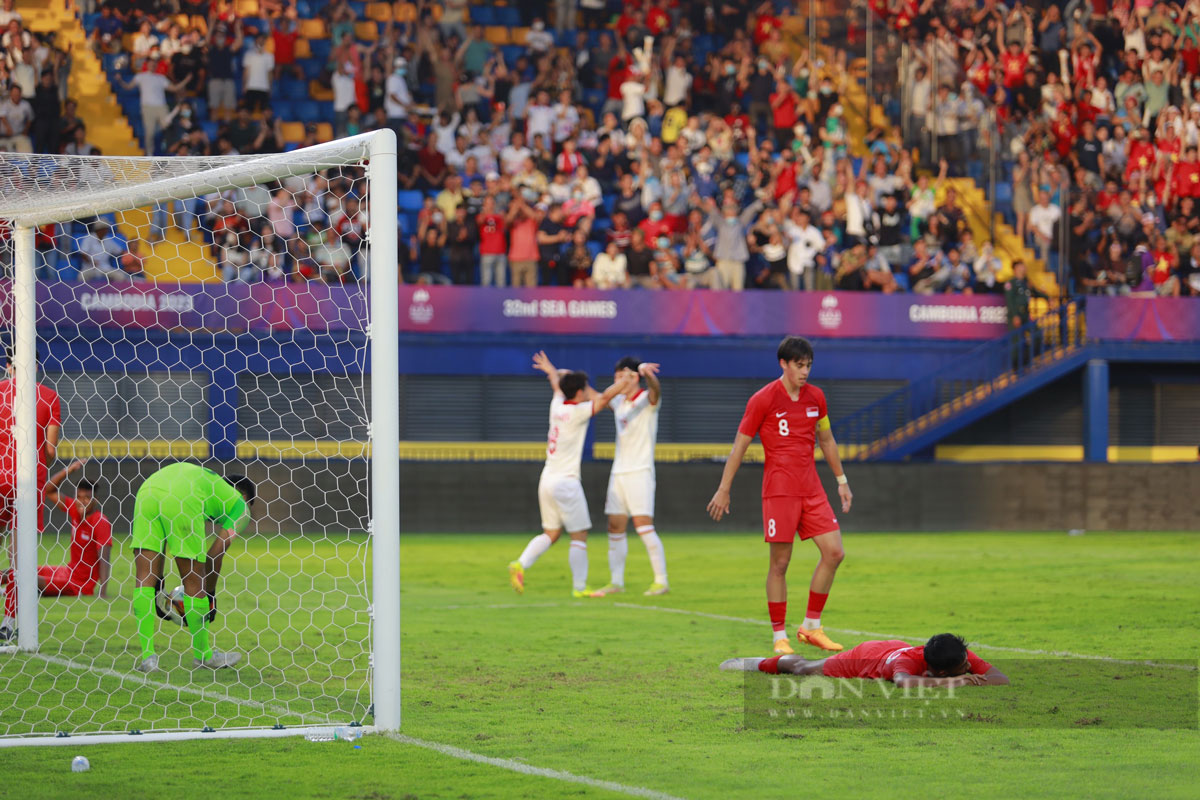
(406, 12)
(292, 131)
(284, 109)
(609, 201)
(303, 49)
(496, 34)
(359, 7)
(379, 12)
(210, 130)
(508, 16)
(511, 53)
(409, 200)
(483, 15)
(437, 11)
(295, 90)
(594, 99)
(308, 111)
(313, 29)
(743, 159)
(366, 31)
(321, 49)
(312, 68)
(247, 8)
(565, 39)
(320, 92)
(257, 23)
(324, 132)
(519, 35)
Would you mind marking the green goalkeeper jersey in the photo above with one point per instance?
(173, 505)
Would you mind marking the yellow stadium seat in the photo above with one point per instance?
(519, 35)
(496, 34)
(436, 10)
(366, 31)
(318, 92)
(379, 12)
(406, 12)
(324, 132)
(303, 50)
(247, 8)
(313, 29)
(292, 131)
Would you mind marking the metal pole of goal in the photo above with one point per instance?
(384, 286)
(25, 413)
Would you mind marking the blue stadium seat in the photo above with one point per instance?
(312, 67)
(89, 21)
(594, 37)
(508, 16)
(609, 202)
(304, 9)
(310, 111)
(258, 23)
(594, 99)
(594, 248)
(511, 53)
(743, 160)
(284, 109)
(411, 224)
(975, 171)
(564, 38)
(210, 130)
(295, 90)
(483, 15)
(410, 200)
(360, 8)
(200, 107)
(856, 164)
(321, 48)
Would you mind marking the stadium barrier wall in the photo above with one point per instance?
(452, 497)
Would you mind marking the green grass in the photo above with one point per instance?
(632, 694)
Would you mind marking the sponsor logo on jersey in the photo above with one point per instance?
(830, 316)
(421, 309)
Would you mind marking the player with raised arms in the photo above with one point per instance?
(560, 491)
(943, 661)
(90, 565)
(49, 428)
(631, 482)
(789, 416)
(169, 514)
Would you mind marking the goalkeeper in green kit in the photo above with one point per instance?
(169, 516)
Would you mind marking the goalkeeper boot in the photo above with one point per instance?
(605, 591)
(817, 638)
(218, 660)
(741, 664)
(656, 588)
(783, 647)
(586, 591)
(516, 576)
(147, 664)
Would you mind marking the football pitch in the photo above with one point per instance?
(541, 695)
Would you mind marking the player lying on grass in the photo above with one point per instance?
(942, 661)
(790, 419)
(90, 563)
(560, 492)
(631, 482)
(168, 516)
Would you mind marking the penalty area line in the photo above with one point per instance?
(527, 769)
(875, 635)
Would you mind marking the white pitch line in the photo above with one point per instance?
(871, 634)
(207, 694)
(526, 769)
(493, 605)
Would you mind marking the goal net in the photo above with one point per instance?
(223, 312)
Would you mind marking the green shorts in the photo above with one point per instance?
(169, 524)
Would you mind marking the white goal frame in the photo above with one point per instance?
(376, 151)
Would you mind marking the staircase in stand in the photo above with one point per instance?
(993, 375)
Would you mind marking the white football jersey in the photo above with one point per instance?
(564, 443)
(637, 432)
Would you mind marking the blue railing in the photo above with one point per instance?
(873, 430)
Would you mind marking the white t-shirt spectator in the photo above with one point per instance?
(539, 119)
(396, 87)
(1042, 219)
(633, 100)
(8, 16)
(142, 43)
(485, 156)
(18, 116)
(678, 84)
(802, 253)
(539, 41)
(512, 158)
(258, 65)
(566, 120)
(590, 188)
(609, 272)
(343, 91)
(100, 253)
(152, 88)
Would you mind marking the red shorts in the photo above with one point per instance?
(59, 584)
(784, 517)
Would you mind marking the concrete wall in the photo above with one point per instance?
(456, 497)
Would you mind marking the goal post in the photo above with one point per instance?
(181, 380)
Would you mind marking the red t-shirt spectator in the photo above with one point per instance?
(763, 27)
(491, 235)
(1014, 68)
(785, 181)
(523, 245)
(1186, 180)
(1141, 157)
(657, 21)
(654, 229)
(285, 46)
(618, 71)
(569, 162)
(783, 113)
(1104, 199)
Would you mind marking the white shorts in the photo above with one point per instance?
(630, 494)
(563, 505)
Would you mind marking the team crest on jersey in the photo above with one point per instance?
(812, 412)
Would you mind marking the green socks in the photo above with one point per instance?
(194, 611)
(143, 612)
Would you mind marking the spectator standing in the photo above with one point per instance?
(99, 253)
(609, 269)
(16, 122)
(493, 250)
(258, 66)
(731, 252)
(462, 236)
(222, 57)
(552, 236)
(522, 221)
(46, 109)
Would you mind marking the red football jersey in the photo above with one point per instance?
(49, 412)
(787, 429)
(883, 659)
(88, 536)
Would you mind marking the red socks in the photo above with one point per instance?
(778, 614)
(769, 665)
(10, 593)
(816, 604)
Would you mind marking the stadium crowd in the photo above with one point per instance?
(672, 143)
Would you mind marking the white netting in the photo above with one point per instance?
(228, 327)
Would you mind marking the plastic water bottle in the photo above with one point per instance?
(347, 733)
(80, 764)
(321, 735)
